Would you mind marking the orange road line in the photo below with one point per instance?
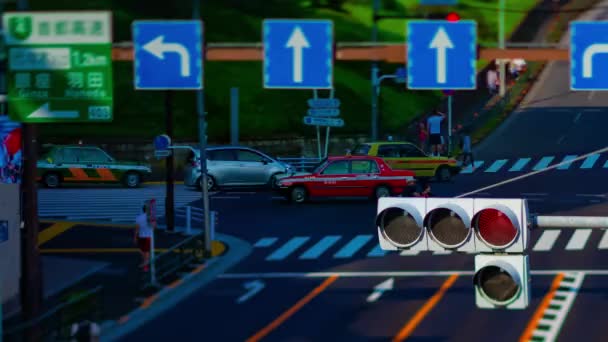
(292, 310)
(413, 323)
(53, 231)
(148, 301)
(540, 311)
(175, 284)
(123, 319)
(198, 269)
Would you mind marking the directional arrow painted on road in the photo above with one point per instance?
(588, 58)
(44, 112)
(158, 48)
(252, 287)
(441, 42)
(379, 289)
(297, 41)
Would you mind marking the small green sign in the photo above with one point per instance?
(60, 66)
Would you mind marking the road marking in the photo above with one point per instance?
(577, 117)
(520, 164)
(471, 168)
(546, 240)
(53, 231)
(543, 163)
(606, 164)
(377, 252)
(265, 242)
(566, 162)
(225, 197)
(590, 161)
(604, 241)
(353, 246)
(496, 165)
(444, 252)
(288, 248)
(346, 274)
(95, 250)
(320, 247)
(578, 240)
(549, 321)
(590, 96)
(561, 139)
(408, 252)
(534, 194)
(292, 310)
(413, 323)
(538, 314)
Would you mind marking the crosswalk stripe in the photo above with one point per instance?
(604, 241)
(408, 252)
(590, 161)
(497, 165)
(520, 164)
(444, 252)
(377, 252)
(578, 240)
(265, 242)
(543, 163)
(567, 160)
(288, 248)
(546, 240)
(320, 247)
(469, 169)
(353, 246)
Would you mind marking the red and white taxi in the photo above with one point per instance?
(346, 176)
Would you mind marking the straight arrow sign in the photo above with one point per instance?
(379, 289)
(441, 42)
(252, 287)
(297, 41)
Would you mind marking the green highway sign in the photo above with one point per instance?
(59, 66)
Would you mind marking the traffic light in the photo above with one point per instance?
(502, 281)
(501, 225)
(452, 17)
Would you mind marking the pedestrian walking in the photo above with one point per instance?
(492, 81)
(423, 136)
(434, 128)
(144, 228)
(466, 148)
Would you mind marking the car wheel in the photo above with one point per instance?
(210, 183)
(382, 191)
(132, 180)
(298, 194)
(443, 174)
(273, 182)
(51, 180)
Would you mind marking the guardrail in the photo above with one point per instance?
(55, 324)
(302, 164)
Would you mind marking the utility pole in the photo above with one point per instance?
(31, 274)
(202, 131)
(169, 168)
(501, 45)
(375, 71)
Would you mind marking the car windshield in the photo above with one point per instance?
(319, 166)
(361, 149)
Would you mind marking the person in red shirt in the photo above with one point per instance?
(422, 136)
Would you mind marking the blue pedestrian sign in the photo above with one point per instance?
(324, 112)
(324, 103)
(441, 54)
(328, 122)
(298, 54)
(589, 55)
(162, 142)
(168, 54)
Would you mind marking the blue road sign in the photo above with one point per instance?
(441, 54)
(439, 2)
(329, 122)
(324, 103)
(298, 54)
(168, 54)
(324, 112)
(162, 142)
(588, 40)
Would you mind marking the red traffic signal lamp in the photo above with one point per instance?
(452, 17)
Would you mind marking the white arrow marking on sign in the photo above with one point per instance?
(44, 112)
(379, 289)
(441, 42)
(253, 288)
(158, 48)
(297, 41)
(588, 58)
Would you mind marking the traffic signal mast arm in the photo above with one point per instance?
(600, 222)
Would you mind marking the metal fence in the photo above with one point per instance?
(302, 164)
(55, 324)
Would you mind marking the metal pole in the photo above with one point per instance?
(316, 96)
(573, 222)
(374, 72)
(202, 131)
(234, 116)
(501, 45)
(152, 260)
(169, 166)
(327, 140)
(188, 219)
(450, 125)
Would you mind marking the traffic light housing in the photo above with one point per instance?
(502, 281)
(501, 225)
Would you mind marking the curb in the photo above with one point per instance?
(167, 298)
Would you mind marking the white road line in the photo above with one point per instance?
(546, 240)
(578, 240)
(578, 116)
(604, 241)
(590, 195)
(534, 194)
(390, 274)
(409, 252)
(590, 96)
(561, 139)
(225, 197)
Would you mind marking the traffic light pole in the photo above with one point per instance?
(169, 166)
(501, 45)
(573, 222)
(375, 71)
(202, 130)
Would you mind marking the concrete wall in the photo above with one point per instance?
(10, 250)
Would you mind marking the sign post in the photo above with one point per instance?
(322, 112)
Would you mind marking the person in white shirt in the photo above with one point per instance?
(433, 124)
(493, 81)
(143, 235)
